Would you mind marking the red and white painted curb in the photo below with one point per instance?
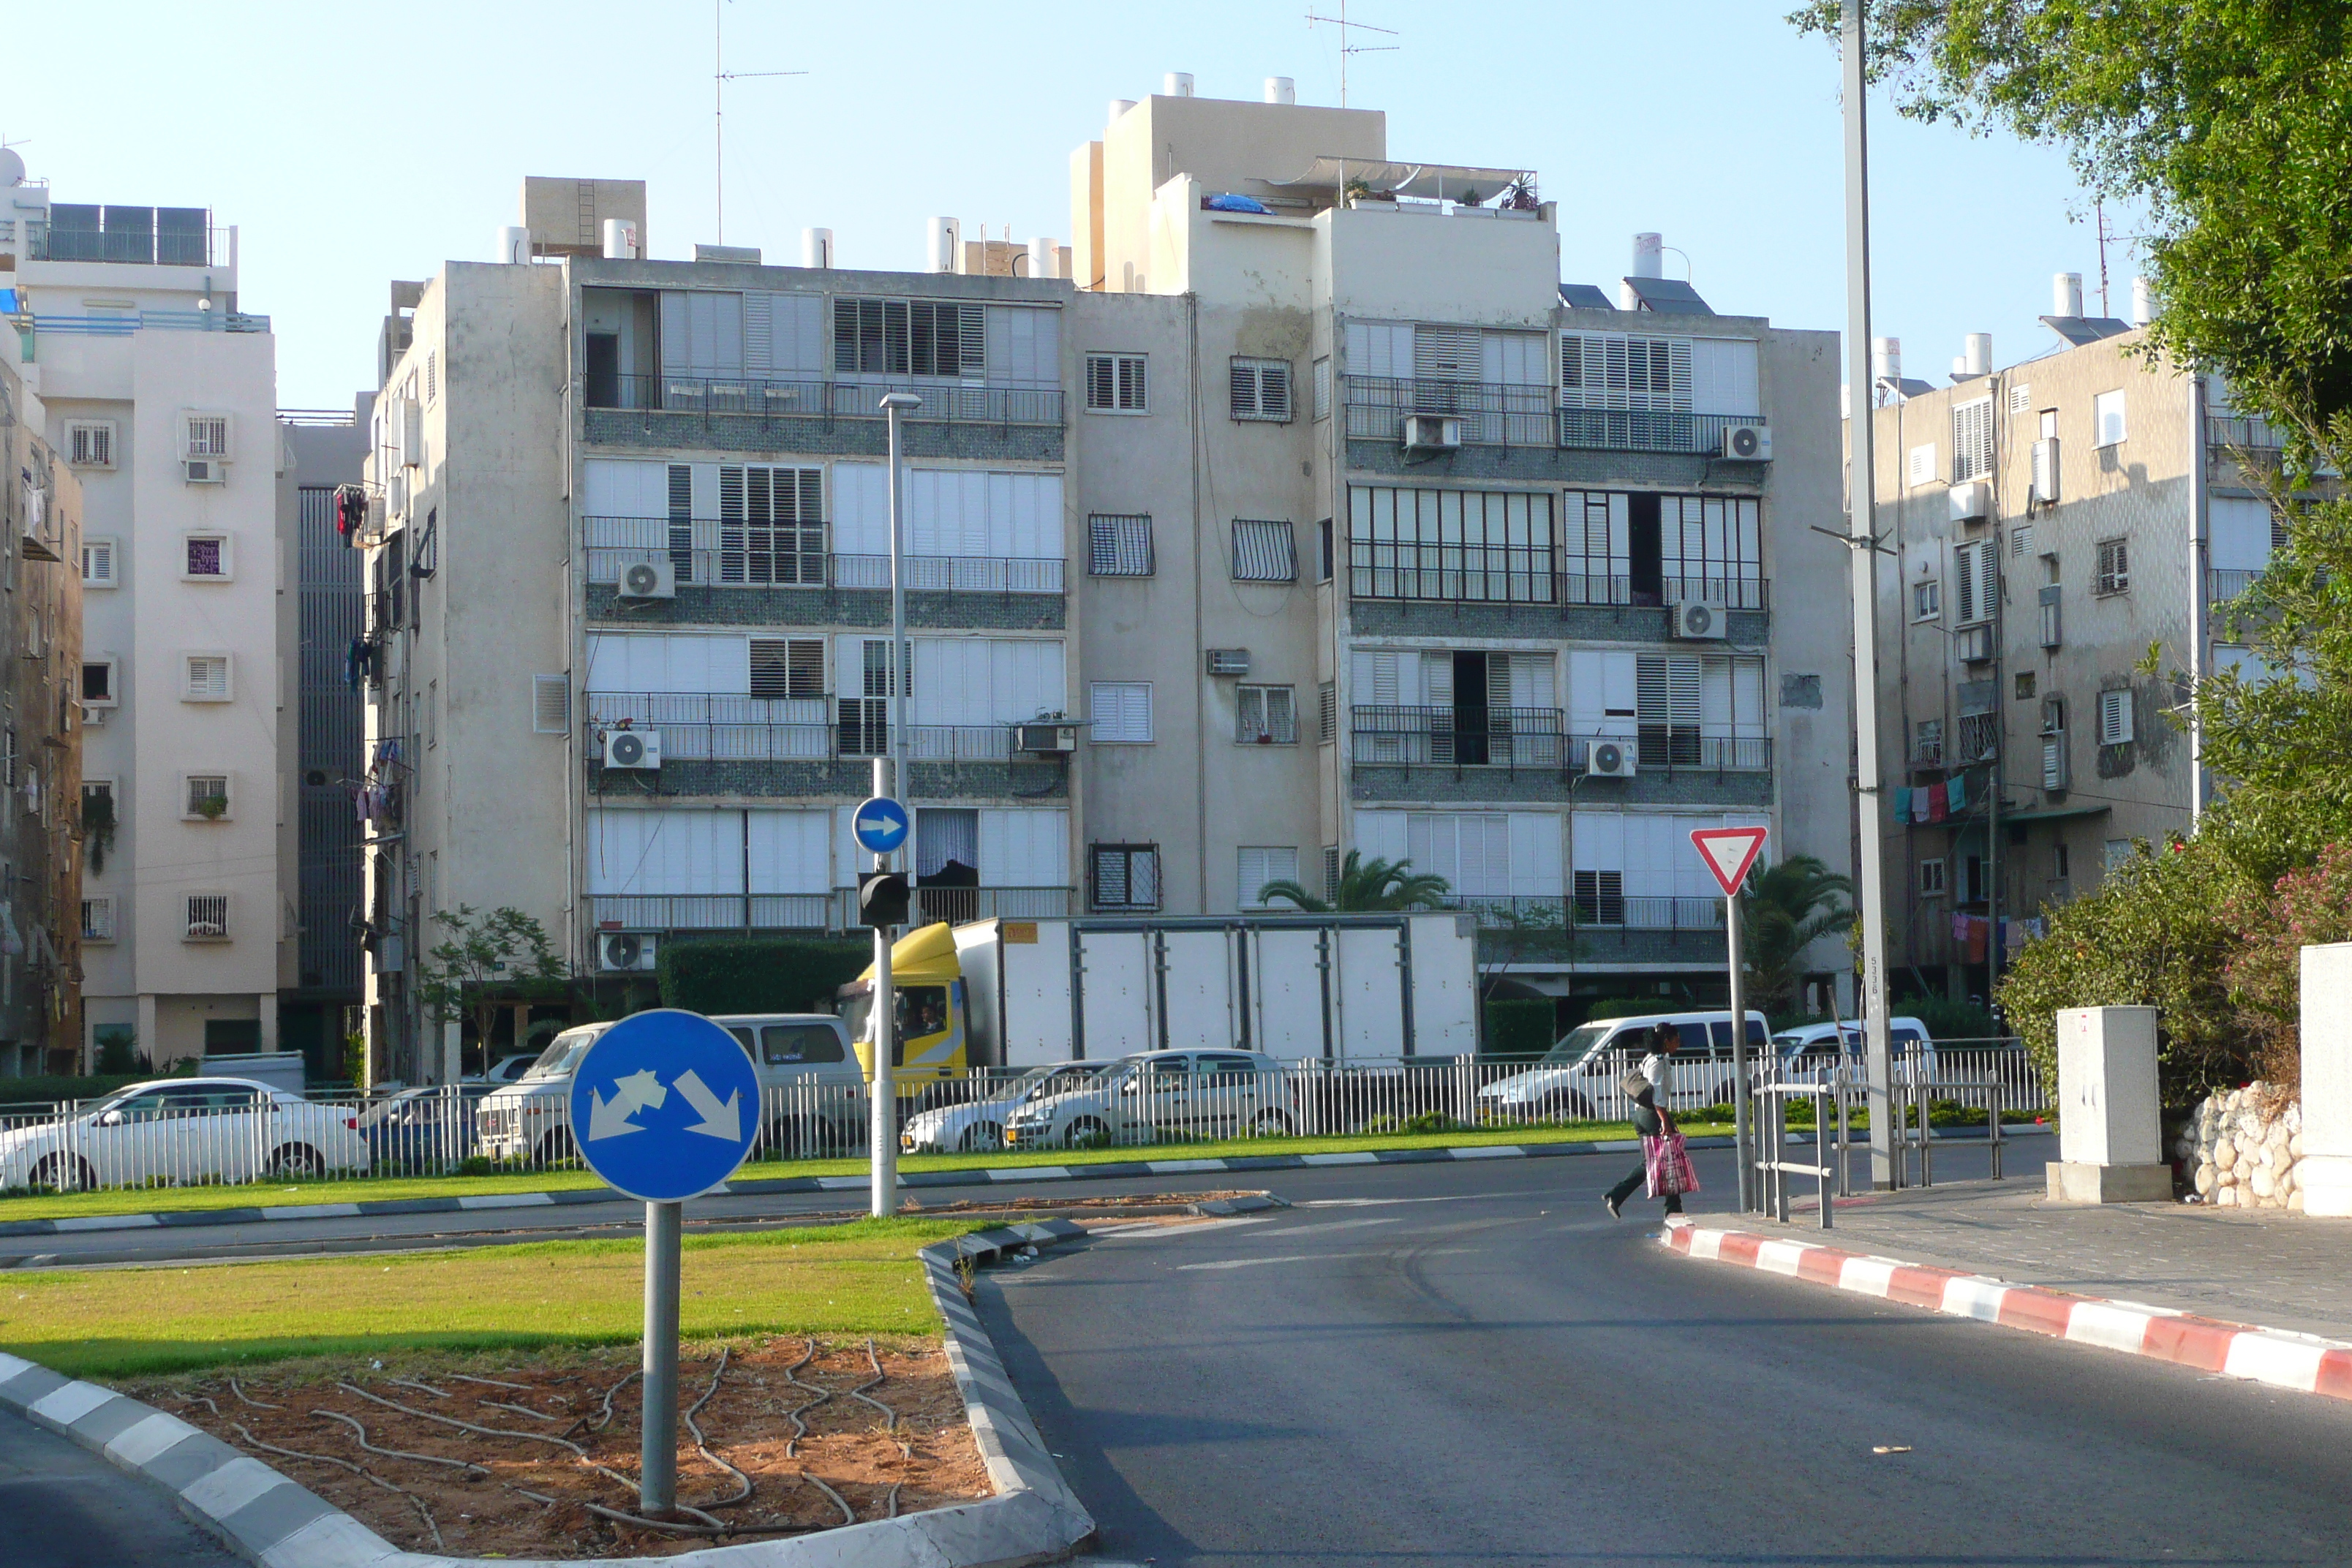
(2302, 1363)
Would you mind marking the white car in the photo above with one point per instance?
(530, 1119)
(1817, 1046)
(1576, 1078)
(185, 1129)
(1160, 1097)
(979, 1124)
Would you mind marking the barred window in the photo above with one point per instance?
(1263, 552)
(1119, 544)
(1268, 716)
(2115, 567)
(98, 920)
(207, 796)
(1115, 383)
(1261, 389)
(1125, 876)
(208, 917)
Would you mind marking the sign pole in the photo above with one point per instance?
(657, 1427)
(1740, 1139)
(882, 1124)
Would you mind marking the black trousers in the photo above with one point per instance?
(1646, 1122)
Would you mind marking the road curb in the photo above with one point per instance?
(978, 1176)
(2303, 1364)
(271, 1520)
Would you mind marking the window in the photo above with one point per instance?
(1458, 545)
(97, 683)
(1923, 464)
(1261, 389)
(2118, 854)
(2115, 717)
(2020, 398)
(1599, 898)
(1119, 544)
(1927, 600)
(97, 563)
(1121, 711)
(204, 797)
(551, 705)
(2060, 868)
(1268, 716)
(864, 711)
(1326, 718)
(1125, 876)
(208, 917)
(206, 678)
(908, 337)
(1323, 551)
(1931, 879)
(1261, 865)
(1601, 369)
(1976, 575)
(98, 920)
(89, 443)
(1115, 383)
(2024, 685)
(1323, 387)
(2107, 419)
(771, 527)
(1263, 552)
(206, 558)
(206, 435)
(432, 378)
(1331, 864)
(2047, 421)
(1928, 741)
(2115, 567)
(1972, 440)
(2021, 541)
(787, 668)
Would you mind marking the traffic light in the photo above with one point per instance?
(882, 899)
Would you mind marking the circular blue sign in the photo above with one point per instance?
(665, 1105)
(880, 825)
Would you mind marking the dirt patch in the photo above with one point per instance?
(818, 1436)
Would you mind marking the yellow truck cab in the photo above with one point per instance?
(929, 981)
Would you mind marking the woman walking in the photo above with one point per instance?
(1649, 1087)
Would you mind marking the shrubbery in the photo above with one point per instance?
(758, 974)
(1519, 1027)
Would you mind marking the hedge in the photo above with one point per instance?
(1520, 1026)
(758, 974)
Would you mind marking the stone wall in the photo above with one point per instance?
(2240, 1148)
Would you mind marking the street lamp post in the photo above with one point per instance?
(889, 777)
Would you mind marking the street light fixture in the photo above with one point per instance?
(889, 779)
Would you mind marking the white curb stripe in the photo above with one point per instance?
(2105, 1324)
(1489, 1152)
(1866, 1277)
(1781, 1257)
(144, 1440)
(312, 1211)
(1029, 1174)
(69, 1404)
(1707, 1244)
(1181, 1167)
(1356, 1157)
(106, 1221)
(10, 1366)
(1971, 1297)
(231, 1486)
(505, 1201)
(2276, 1359)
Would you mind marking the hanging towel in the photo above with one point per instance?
(1935, 810)
(1902, 806)
(1955, 794)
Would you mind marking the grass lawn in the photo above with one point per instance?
(857, 1278)
(146, 1200)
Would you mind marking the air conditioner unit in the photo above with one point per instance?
(1971, 501)
(1046, 737)
(1609, 760)
(1702, 620)
(1748, 443)
(633, 748)
(204, 470)
(94, 718)
(1973, 644)
(649, 580)
(1432, 432)
(1229, 661)
(626, 951)
(2045, 471)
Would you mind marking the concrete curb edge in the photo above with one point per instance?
(2303, 1364)
(273, 1521)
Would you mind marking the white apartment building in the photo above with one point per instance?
(159, 395)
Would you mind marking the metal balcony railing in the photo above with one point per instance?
(809, 398)
(1458, 737)
(1670, 746)
(712, 912)
(1443, 572)
(725, 726)
(1647, 912)
(122, 324)
(722, 553)
(133, 236)
(2246, 433)
(1647, 430)
(1492, 413)
(2226, 583)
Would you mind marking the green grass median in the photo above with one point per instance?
(373, 1189)
(860, 1277)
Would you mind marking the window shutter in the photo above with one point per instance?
(1102, 382)
(1245, 389)
(2115, 717)
(551, 705)
(1130, 383)
(1445, 353)
(1328, 718)
(207, 678)
(1972, 440)
(1323, 388)
(1118, 545)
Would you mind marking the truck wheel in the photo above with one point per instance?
(54, 1173)
(980, 1137)
(297, 1160)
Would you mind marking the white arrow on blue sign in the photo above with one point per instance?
(665, 1105)
(880, 825)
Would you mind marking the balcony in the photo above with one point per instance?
(713, 553)
(1458, 573)
(823, 400)
(1515, 738)
(1496, 414)
(2227, 583)
(147, 237)
(725, 726)
(122, 324)
(832, 910)
(2245, 432)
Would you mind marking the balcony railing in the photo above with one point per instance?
(145, 243)
(1459, 736)
(122, 324)
(834, 911)
(1647, 430)
(816, 399)
(728, 553)
(2227, 583)
(1605, 909)
(725, 726)
(1670, 746)
(1521, 574)
(2244, 432)
(1492, 413)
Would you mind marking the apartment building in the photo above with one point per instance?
(2045, 519)
(158, 394)
(40, 732)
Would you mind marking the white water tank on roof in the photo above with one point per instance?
(1119, 106)
(514, 246)
(1044, 254)
(816, 247)
(1281, 89)
(2067, 294)
(621, 239)
(2143, 302)
(946, 248)
(1178, 84)
(1886, 359)
(1977, 358)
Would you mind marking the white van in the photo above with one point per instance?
(1576, 1078)
(527, 1120)
(1814, 1046)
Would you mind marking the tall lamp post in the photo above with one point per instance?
(889, 776)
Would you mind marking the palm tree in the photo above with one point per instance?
(1364, 886)
(1783, 909)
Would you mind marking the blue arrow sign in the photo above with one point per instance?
(665, 1105)
(880, 825)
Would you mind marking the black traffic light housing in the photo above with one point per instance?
(882, 898)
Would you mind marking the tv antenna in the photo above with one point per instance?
(1347, 48)
(2100, 209)
(719, 77)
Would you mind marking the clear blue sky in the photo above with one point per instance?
(355, 144)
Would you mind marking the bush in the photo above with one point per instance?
(1946, 1019)
(1519, 1027)
(1631, 1007)
(758, 974)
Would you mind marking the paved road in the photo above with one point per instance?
(1474, 1364)
(64, 1507)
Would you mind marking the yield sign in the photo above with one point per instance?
(1728, 853)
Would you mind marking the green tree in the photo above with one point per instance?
(1784, 908)
(479, 957)
(1366, 886)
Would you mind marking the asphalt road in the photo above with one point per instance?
(63, 1507)
(1472, 1364)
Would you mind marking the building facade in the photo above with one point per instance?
(158, 393)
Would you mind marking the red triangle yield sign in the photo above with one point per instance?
(1728, 853)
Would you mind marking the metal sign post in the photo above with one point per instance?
(665, 1105)
(880, 825)
(1729, 853)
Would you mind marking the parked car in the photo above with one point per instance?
(1158, 1096)
(980, 1123)
(811, 1089)
(506, 1070)
(1578, 1077)
(1816, 1046)
(185, 1129)
(530, 1119)
(422, 1129)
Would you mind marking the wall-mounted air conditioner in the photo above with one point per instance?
(1229, 661)
(633, 748)
(204, 470)
(649, 580)
(1973, 644)
(1971, 501)
(1045, 738)
(1432, 432)
(2045, 471)
(1609, 760)
(409, 426)
(1748, 443)
(1702, 620)
(624, 952)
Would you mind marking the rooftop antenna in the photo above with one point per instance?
(2100, 209)
(1347, 48)
(719, 77)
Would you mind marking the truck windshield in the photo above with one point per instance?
(1578, 1044)
(561, 1054)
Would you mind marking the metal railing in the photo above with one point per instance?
(2245, 432)
(1521, 574)
(1458, 737)
(1646, 911)
(721, 552)
(1492, 414)
(712, 912)
(1976, 738)
(730, 727)
(810, 398)
(1647, 430)
(149, 244)
(122, 324)
(1664, 746)
(2227, 583)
